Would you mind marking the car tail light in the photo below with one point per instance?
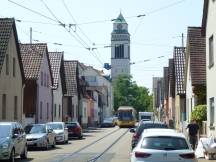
(187, 156)
(141, 154)
(135, 136)
(77, 129)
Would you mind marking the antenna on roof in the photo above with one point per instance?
(30, 35)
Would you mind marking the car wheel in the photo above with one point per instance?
(12, 156)
(80, 136)
(46, 145)
(24, 153)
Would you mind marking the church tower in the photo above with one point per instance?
(120, 48)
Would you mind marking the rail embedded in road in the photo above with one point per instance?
(76, 153)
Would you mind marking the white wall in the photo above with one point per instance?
(211, 73)
(57, 100)
(44, 94)
(189, 93)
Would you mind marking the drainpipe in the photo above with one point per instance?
(37, 103)
(22, 97)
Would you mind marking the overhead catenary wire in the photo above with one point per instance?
(76, 21)
(92, 49)
(80, 39)
(38, 13)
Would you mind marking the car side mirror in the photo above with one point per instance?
(15, 135)
(132, 130)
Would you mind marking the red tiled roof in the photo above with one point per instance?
(196, 54)
(7, 25)
(32, 56)
(179, 64)
(71, 72)
(171, 74)
(55, 62)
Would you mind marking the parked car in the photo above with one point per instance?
(74, 129)
(108, 122)
(115, 118)
(12, 141)
(40, 135)
(142, 126)
(60, 130)
(161, 146)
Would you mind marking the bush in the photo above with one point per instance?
(199, 113)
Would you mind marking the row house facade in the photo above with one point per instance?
(71, 97)
(169, 91)
(37, 107)
(209, 31)
(158, 96)
(58, 87)
(100, 88)
(180, 99)
(195, 72)
(11, 73)
(37, 86)
(185, 80)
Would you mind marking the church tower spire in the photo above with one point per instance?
(120, 48)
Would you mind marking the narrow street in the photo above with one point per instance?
(98, 144)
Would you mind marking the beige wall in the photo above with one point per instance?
(10, 85)
(177, 111)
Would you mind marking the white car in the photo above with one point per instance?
(162, 145)
(60, 130)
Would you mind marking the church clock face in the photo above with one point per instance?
(119, 26)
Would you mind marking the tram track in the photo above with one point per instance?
(94, 159)
(76, 153)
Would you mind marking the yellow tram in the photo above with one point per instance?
(126, 116)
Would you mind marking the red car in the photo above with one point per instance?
(74, 129)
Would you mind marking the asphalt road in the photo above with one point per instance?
(101, 144)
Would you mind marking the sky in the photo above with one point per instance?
(82, 29)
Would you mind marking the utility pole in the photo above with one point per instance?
(182, 39)
(30, 35)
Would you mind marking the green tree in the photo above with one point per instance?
(128, 93)
(199, 114)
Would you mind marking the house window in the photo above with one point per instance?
(211, 51)
(15, 107)
(14, 67)
(119, 51)
(41, 107)
(47, 110)
(4, 106)
(212, 111)
(55, 110)
(7, 64)
(41, 78)
(59, 111)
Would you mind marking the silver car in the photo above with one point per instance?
(60, 130)
(12, 141)
(40, 135)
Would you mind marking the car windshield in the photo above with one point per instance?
(37, 129)
(5, 131)
(56, 126)
(71, 125)
(164, 143)
(108, 119)
(143, 126)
